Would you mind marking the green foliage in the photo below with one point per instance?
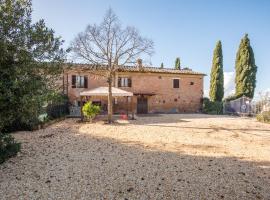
(161, 66)
(90, 110)
(210, 107)
(264, 117)
(8, 147)
(30, 63)
(57, 98)
(217, 78)
(177, 63)
(246, 69)
(231, 97)
(57, 107)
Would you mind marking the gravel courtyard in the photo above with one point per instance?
(154, 157)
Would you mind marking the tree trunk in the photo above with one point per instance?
(110, 101)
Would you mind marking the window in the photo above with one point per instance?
(124, 82)
(175, 83)
(191, 83)
(79, 81)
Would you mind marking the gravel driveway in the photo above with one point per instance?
(154, 157)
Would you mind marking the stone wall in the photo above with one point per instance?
(157, 87)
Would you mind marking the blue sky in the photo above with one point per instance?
(185, 28)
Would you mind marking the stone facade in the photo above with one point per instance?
(155, 87)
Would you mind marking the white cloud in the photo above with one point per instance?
(229, 85)
(206, 93)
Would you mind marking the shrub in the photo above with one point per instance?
(8, 147)
(210, 107)
(264, 117)
(19, 125)
(90, 110)
(55, 107)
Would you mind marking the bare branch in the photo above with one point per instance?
(110, 45)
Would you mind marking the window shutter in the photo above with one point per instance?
(85, 82)
(129, 82)
(119, 82)
(175, 83)
(73, 81)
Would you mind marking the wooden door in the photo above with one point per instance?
(142, 105)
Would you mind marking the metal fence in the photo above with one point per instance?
(240, 106)
(246, 106)
(74, 111)
(57, 110)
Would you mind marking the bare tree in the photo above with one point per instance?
(110, 45)
(263, 104)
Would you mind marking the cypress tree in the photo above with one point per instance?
(246, 69)
(161, 66)
(217, 78)
(177, 63)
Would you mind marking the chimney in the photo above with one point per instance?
(139, 64)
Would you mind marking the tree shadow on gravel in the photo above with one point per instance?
(73, 165)
(173, 118)
(216, 129)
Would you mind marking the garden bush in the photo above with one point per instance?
(8, 147)
(19, 125)
(210, 107)
(264, 117)
(90, 110)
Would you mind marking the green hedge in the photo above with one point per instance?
(210, 107)
(56, 108)
(264, 117)
(8, 147)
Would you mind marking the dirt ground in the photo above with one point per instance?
(190, 156)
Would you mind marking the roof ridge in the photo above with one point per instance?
(132, 66)
(152, 69)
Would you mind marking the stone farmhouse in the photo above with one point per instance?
(155, 90)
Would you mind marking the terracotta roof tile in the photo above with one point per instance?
(137, 69)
